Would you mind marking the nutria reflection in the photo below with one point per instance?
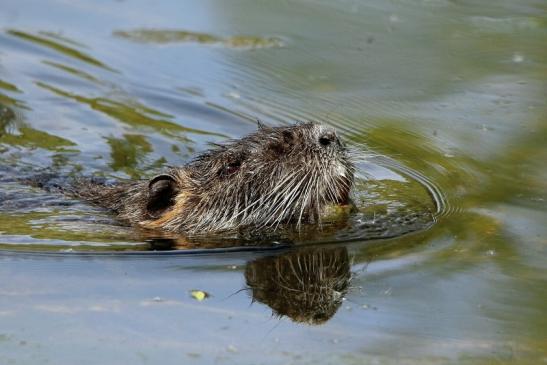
(307, 285)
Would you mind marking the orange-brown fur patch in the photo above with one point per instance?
(178, 208)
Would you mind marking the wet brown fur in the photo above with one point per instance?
(274, 176)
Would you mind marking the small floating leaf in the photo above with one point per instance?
(199, 295)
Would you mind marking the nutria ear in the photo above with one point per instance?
(162, 191)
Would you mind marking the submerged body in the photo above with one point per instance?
(276, 175)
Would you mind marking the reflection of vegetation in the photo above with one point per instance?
(515, 175)
(307, 285)
(72, 71)
(55, 45)
(39, 226)
(26, 136)
(470, 184)
(128, 152)
(135, 114)
(61, 38)
(451, 174)
(473, 237)
(180, 36)
(7, 100)
(61, 160)
(497, 36)
(29, 137)
(6, 116)
(7, 86)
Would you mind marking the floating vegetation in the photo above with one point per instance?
(165, 36)
(199, 295)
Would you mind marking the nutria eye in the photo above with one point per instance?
(231, 168)
(324, 141)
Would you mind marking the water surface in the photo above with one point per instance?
(450, 96)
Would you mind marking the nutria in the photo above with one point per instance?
(274, 176)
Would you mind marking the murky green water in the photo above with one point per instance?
(449, 97)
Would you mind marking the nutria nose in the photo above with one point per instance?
(328, 138)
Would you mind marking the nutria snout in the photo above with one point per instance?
(274, 176)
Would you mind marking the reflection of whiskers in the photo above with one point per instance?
(307, 285)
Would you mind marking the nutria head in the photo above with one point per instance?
(276, 175)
